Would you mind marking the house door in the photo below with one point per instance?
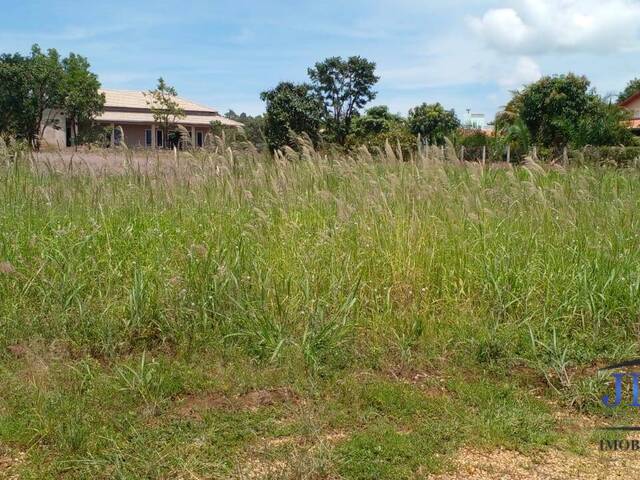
(159, 138)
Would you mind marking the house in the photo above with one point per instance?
(130, 111)
(474, 121)
(633, 105)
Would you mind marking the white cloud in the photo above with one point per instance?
(525, 71)
(547, 26)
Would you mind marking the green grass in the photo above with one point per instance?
(407, 309)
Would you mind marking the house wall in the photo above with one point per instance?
(55, 133)
(134, 134)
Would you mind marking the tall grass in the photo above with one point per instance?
(323, 259)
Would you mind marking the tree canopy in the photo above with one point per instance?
(379, 126)
(81, 100)
(292, 109)
(564, 109)
(432, 122)
(253, 127)
(345, 86)
(34, 87)
(631, 89)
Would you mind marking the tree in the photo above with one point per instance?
(164, 106)
(253, 127)
(17, 111)
(564, 109)
(34, 88)
(376, 120)
(30, 92)
(345, 87)
(82, 100)
(550, 106)
(432, 122)
(292, 109)
(379, 126)
(631, 89)
(604, 124)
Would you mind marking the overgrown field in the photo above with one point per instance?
(223, 316)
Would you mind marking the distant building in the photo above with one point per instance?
(474, 121)
(633, 105)
(130, 112)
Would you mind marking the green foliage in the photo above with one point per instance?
(474, 139)
(17, 111)
(562, 110)
(433, 123)
(631, 89)
(162, 102)
(253, 127)
(292, 109)
(378, 126)
(612, 156)
(604, 124)
(345, 86)
(82, 100)
(34, 87)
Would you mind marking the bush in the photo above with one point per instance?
(616, 156)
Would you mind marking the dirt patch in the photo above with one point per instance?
(504, 464)
(194, 406)
(9, 463)
(262, 469)
(35, 359)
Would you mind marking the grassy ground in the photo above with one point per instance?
(220, 316)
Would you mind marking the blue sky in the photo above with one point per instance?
(462, 53)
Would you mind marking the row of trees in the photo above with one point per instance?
(554, 112)
(562, 110)
(34, 86)
(331, 104)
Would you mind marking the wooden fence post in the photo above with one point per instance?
(508, 153)
(484, 154)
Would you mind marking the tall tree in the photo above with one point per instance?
(81, 97)
(17, 111)
(550, 106)
(564, 109)
(164, 106)
(631, 89)
(30, 91)
(46, 80)
(292, 109)
(432, 122)
(345, 86)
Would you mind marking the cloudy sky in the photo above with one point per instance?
(466, 54)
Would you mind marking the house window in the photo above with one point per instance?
(159, 138)
(199, 139)
(147, 137)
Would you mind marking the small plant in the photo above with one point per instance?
(553, 357)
